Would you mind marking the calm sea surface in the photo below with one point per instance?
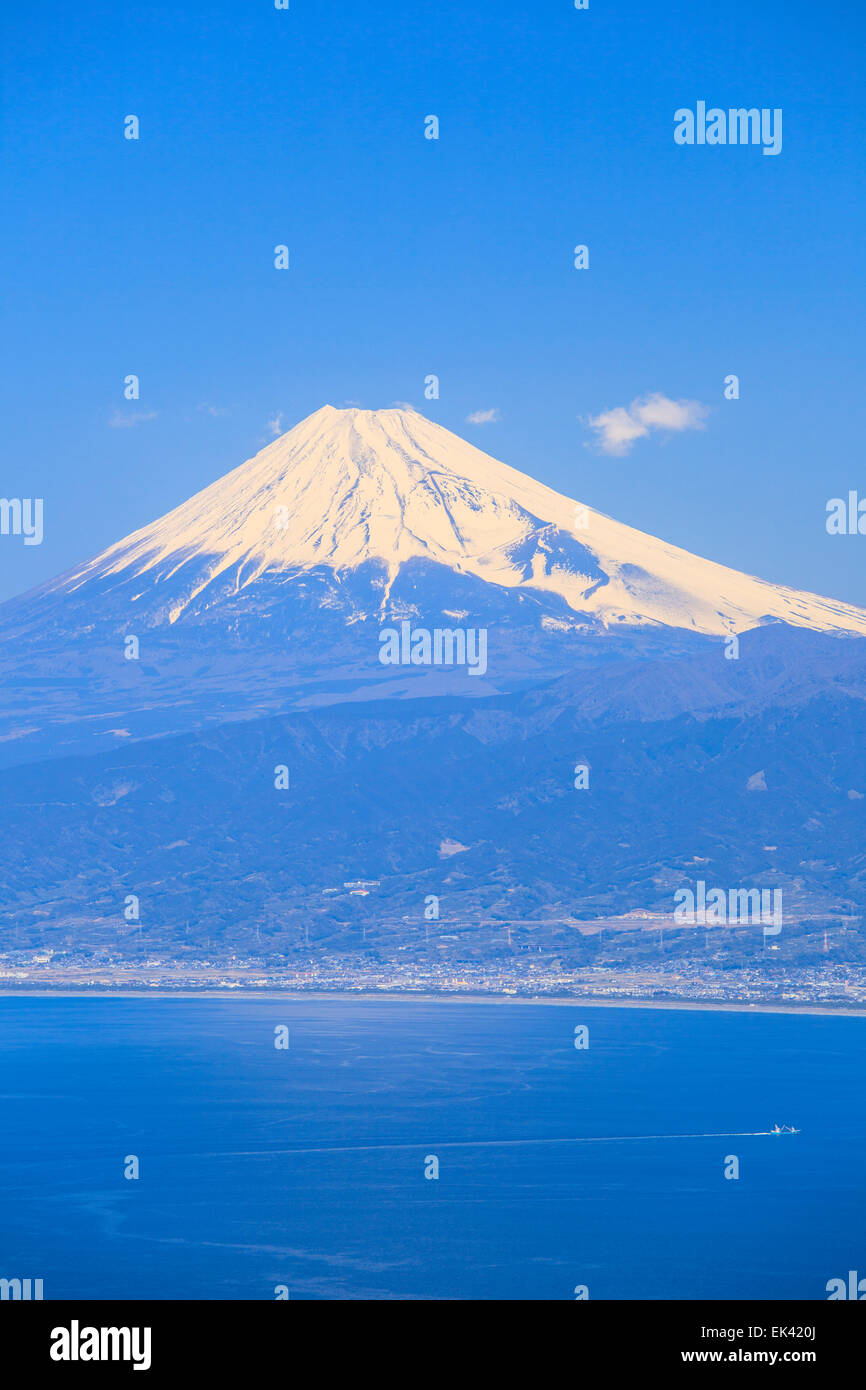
(305, 1167)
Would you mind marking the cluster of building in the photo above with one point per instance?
(678, 980)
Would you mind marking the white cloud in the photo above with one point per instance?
(482, 417)
(213, 409)
(127, 420)
(618, 429)
(660, 412)
(275, 426)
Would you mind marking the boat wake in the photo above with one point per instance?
(510, 1143)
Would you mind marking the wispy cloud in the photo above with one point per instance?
(213, 409)
(482, 417)
(128, 419)
(618, 429)
(275, 425)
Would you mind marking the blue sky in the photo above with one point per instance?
(454, 257)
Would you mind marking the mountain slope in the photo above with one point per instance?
(257, 608)
(347, 489)
(268, 591)
(474, 803)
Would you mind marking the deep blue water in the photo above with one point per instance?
(197, 1090)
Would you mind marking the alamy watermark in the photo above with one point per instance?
(702, 906)
(77, 1343)
(846, 516)
(22, 516)
(443, 646)
(851, 1288)
(23, 1289)
(736, 126)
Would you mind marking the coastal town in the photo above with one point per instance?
(831, 985)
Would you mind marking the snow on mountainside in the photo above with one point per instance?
(349, 487)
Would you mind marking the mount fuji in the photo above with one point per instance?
(374, 491)
(148, 696)
(267, 591)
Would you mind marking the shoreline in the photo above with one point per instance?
(370, 996)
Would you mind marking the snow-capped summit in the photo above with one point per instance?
(348, 487)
